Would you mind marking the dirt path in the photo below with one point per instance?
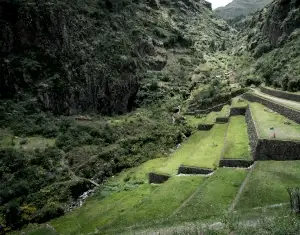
(289, 103)
(238, 195)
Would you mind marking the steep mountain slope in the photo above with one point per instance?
(272, 37)
(238, 9)
(74, 56)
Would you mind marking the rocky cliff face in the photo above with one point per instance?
(76, 56)
(57, 52)
(272, 37)
(275, 24)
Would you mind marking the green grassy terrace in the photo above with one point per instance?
(268, 184)
(98, 212)
(225, 111)
(203, 149)
(214, 197)
(210, 118)
(237, 102)
(162, 203)
(139, 174)
(265, 119)
(205, 119)
(207, 152)
(194, 121)
(237, 141)
(143, 204)
(171, 165)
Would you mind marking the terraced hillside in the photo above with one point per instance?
(219, 171)
(137, 117)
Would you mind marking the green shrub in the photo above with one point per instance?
(23, 141)
(165, 78)
(261, 49)
(293, 85)
(50, 211)
(154, 86)
(12, 214)
(284, 82)
(252, 80)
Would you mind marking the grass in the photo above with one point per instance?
(141, 205)
(146, 205)
(97, 212)
(238, 102)
(268, 184)
(225, 111)
(210, 118)
(140, 173)
(35, 142)
(7, 139)
(186, 150)
(207, 152)
(194, 121)
(215, 196)
(237, 144)
(162, 203)
(43, 230)
(265, 119)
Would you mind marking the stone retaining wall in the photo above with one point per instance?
(216, 108)
(291, 114)
(252, 133)
(190, 170)
(222, 119)
(281, 94)
(157, 178)
(192, 109)
(235, 111)
(205, 127)
(270, 149)
(235, 163)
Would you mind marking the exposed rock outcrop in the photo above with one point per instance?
(272, 26)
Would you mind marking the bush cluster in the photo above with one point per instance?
(39, 184)
(23, 175)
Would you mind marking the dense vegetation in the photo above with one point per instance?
(63, 58)
(148, 60)
(270, 46)
(92, 55)
(239, 9)
(42, 181)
